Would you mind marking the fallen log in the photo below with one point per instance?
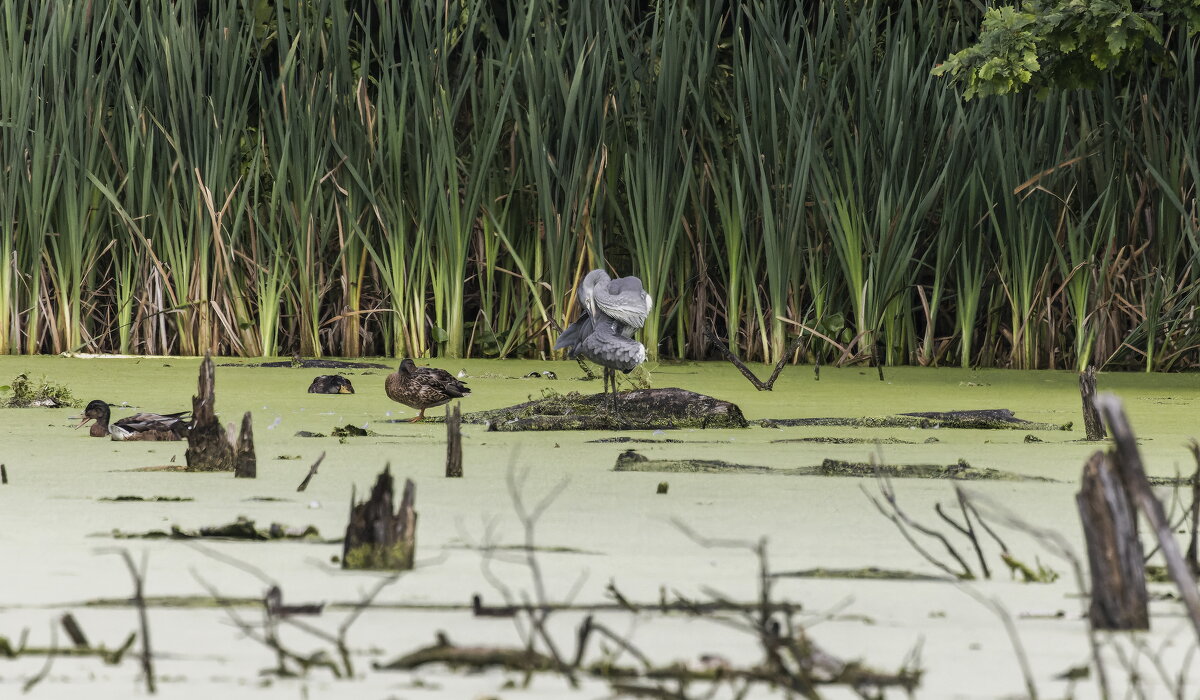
(984, 419)
(633, 461)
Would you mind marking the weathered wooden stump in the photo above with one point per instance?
(208, 447)
(1115, 556)
(244, 464)
(1137, 486)
(211, 448)
(454, 441)
(377, 537)
(1092, 425)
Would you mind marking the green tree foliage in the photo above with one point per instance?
(1066, 43)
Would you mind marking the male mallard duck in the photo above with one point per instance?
(331, 384)
(423, 387)
(140, 426)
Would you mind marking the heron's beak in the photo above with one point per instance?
(85, 420)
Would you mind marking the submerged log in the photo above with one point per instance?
(1115, 557)
(640, 409)
(983, 419)
(633, 461)
(1093, 427)
(244, 464)
(454, 441)
(377, 537)
(208, 447)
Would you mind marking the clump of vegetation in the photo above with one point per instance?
(27, 393)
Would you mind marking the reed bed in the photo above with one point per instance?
(426, 178)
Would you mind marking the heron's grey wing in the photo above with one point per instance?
(613, 351)
(625, 300)
(575, 332)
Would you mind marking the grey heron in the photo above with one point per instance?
(612, 310)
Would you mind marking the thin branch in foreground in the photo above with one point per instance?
(1011, 628)
(312, 471)
(41, 675)
(139, 601)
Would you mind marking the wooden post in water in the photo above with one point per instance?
(1115, 557)
(1092, 425)
(208, 447)
(454, 441)
(245, 466)
(1137, 486)
(376, 537)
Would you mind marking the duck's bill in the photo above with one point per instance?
(82, 422)
(345, 390)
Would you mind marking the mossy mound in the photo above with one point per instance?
(641, 409)
(45, 393)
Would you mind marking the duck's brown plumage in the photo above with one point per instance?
(423, 387)
(139, 426)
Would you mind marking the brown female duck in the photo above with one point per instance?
(140, 426)
(423, 387)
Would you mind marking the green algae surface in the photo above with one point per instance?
(58, 476)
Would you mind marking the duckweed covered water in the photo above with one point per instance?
(68, 492)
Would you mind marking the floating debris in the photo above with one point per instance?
(241, 529)
(147, 499)
(44, 394)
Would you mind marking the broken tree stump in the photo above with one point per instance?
(208, 447)
(454, 441)
(1114, 552)
(1133, 475)
(377, 537)
(1092, 425)
(244, 464)
(3, 474)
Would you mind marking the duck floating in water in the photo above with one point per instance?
(139, 426)
(423, 387)
(331, 384)
(613, 309)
